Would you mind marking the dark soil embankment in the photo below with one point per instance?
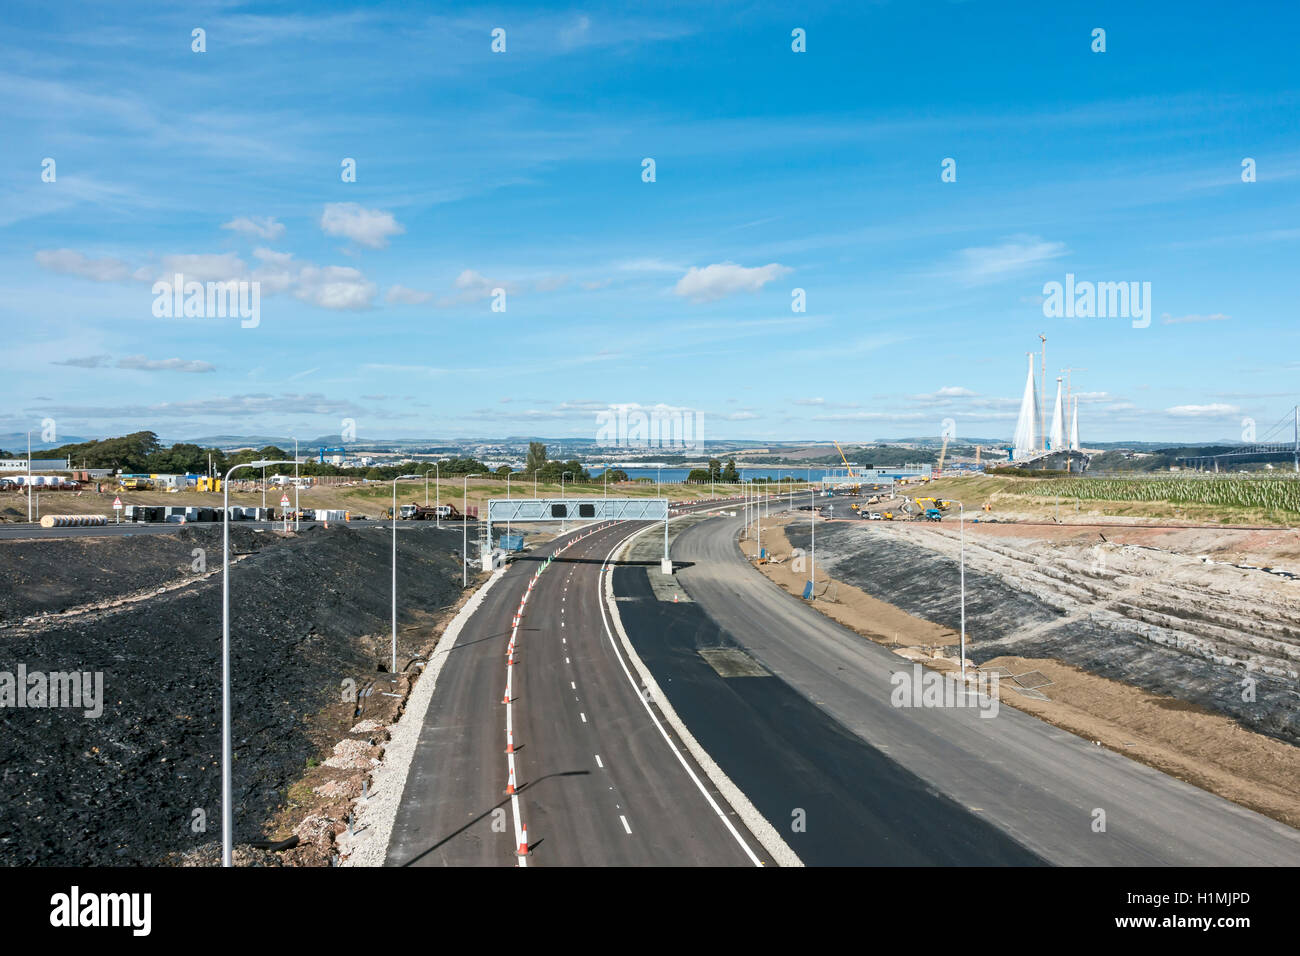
(927, 585)
(307, 613)
(51, 575)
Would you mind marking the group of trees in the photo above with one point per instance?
(137, 452)
(715, 472)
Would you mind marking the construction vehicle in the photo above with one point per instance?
(137, 484)
(939, 504)
(933, 514)
(845, 460)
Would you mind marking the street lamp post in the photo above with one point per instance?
(812, 532)
(961, 533)
(297, 511)
(464, 534)
(437, 490)
(394, 514)
(227, 813)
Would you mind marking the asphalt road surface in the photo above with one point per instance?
(599, 782)
(1009, 778)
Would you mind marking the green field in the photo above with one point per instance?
(1251, 493)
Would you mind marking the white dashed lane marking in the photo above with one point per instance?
(625, 825)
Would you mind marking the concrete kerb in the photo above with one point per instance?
(368, 846)
(764, 832)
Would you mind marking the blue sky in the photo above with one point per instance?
(522, 170)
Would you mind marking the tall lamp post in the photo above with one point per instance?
(812, 533)
(437, 491)
(227, 812)
(394, 513)
(464, 533)
(961, 533)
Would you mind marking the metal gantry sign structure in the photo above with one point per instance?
(532, 510)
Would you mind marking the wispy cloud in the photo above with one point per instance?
(726, 278)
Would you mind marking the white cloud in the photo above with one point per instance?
(947, 392)
(141, 364)
(366, 227)
(1203, 411)
(205, 267)
(474, 287)
(726, 278)
(335, 287)
(1015, 255)
(89, 361)
(262, 227)
(73, 263)
(401, 295)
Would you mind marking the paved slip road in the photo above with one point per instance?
(1013, 775)
(599, 783)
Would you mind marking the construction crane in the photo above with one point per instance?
(324, 451)
(845, 460)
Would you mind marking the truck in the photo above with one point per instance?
(933, 514)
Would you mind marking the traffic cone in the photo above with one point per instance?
(510, 742)
(510, 786)
(523, 840)
(505, 698)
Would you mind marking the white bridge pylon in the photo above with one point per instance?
(533, 510)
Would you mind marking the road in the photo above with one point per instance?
(599, 782)
(1013, 776)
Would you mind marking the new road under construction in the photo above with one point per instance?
(642, 681)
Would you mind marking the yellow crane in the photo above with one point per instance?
(845, 460)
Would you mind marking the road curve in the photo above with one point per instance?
(1033, 782)
(597, 782)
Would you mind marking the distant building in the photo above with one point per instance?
(38, 464)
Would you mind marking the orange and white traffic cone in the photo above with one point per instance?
(505, 698)
(523, 839)
(510, 742)
(510, 786)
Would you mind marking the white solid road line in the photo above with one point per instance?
(644, 703)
